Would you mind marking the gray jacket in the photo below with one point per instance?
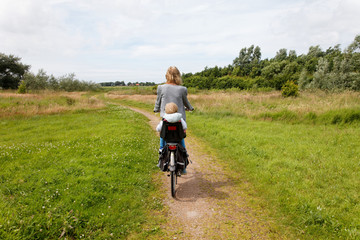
(177, 94)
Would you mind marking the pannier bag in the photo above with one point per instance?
(181, 157)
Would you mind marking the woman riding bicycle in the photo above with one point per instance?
(171, 91)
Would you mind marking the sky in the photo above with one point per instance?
(137, 40)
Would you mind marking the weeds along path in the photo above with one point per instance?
(208, 203)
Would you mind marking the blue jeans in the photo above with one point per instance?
(163, 143)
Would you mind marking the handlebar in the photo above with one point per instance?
(186, 109)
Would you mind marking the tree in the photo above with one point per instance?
(118, 83)
(271, 70)
(328, 70)
(247, 59)
(11, 71)
(281, 55)
(311, 64)
(304, 79)
(321, 76)
(315, 51)
(292, 55)
(331, 54)
(38, 82)
(355, 45)
(336, 50)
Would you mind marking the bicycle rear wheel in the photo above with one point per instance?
(173, 182)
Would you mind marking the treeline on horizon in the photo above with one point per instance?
(122, 83)
(16, 75)
(332, 69)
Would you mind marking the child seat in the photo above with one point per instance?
(172, 132)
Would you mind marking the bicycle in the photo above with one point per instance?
(174, 157)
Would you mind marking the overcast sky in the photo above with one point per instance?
(137, 40)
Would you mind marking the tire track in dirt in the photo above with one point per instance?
(209, 204)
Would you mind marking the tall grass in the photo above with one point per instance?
(309, 107)
(86, 174)
(12, 104)
(131, 90)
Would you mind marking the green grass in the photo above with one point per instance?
(308, 175)
(86, 174)
(332, 117)
(131, 90)
(133, 103)
(303, 160)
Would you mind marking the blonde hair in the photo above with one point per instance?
(171, 108)
(173, 76)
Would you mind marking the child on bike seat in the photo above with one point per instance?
(171, 115)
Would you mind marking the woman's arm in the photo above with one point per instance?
(186, 101)
(158, 100)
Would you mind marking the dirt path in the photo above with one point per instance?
(208, 203)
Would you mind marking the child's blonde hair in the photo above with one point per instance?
(171, 108)
(173, 76)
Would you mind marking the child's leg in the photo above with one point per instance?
(162, 143)
(183, 142)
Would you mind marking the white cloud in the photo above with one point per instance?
(113, 39)
(324, 23)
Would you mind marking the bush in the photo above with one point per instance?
(69, 83)
(154, 89)
(22, 87)
(290, 89)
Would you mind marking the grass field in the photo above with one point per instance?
(12, 104)
(309, 107)
(300, 154)
(83, 173)
(315, 107)
(308, 175)
(73, 167)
